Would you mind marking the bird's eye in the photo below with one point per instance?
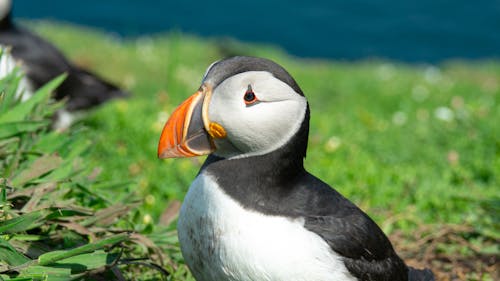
(249, 96)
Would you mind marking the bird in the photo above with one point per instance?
(253, 212)
(42, 62)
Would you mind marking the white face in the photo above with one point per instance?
(260, 127)
(5, 6)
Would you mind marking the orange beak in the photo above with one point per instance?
(184, 134)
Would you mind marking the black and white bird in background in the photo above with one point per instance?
(42, 62)
(253, 212)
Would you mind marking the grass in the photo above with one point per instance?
(50, 228)
(411, 145)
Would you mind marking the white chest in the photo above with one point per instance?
(220, 240)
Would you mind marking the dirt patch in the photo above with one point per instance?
(450, 251)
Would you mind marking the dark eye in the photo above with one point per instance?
(249, 96)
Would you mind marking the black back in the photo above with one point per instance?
(43, 62)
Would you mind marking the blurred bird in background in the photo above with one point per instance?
(42, 62)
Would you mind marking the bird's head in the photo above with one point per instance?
(245, 106)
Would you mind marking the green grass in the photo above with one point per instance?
(409, 144)
(55, 221)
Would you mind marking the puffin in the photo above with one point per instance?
(42, 62)
(253, 212)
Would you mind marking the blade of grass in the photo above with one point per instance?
(107, 215)
(21, 110)
(39, 167)
(9, 255)
(46, 273)
(15, 128)
(23, 222)
(55, 256)
(85, 262)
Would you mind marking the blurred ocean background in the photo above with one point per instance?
(428, 31)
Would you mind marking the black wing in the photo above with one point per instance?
(368, 253)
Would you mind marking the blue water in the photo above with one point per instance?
(411, 31)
